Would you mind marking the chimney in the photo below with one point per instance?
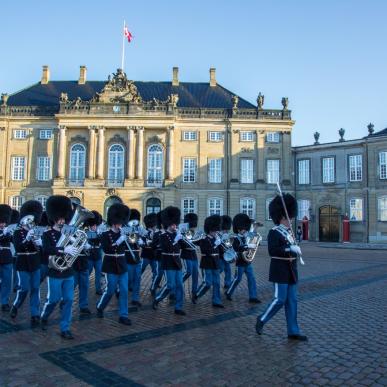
(212, 77)
(82, 75)
(45, 75)
(175, 77)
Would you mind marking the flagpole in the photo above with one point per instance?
(123, 48)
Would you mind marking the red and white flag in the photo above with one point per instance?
(127, 34)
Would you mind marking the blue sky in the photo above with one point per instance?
(328, 57)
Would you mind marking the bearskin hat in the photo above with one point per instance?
(15, 216)
(241, 222)
(5, 213)
(135, 214)
(96, 221)
(191, 219)
(158, 218)
(118, 213)
(32, 207)
(170, 215)
(44, 220)
(150, 220)
(226, 222)
(276, 209)
(57, 207)
(212, 223)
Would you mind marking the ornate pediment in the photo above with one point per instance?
(118, 88)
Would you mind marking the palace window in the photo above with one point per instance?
(382, 208)
(116, 164)
(383, 165)
(153, 205)
(272, 137)
(247, 171)
(45, 134)
(16, 202)
(303, 209)
(20, 134)
(272, 173)
(189, 135)
(246, 136)
(215, 170)
(155, 165)
(42, 199)
(356, 209)
(77, 164)
(303, 171)
(215, 206)
(268, 200)
(188, 205)
(43, 170)
(215, 136)
(247, 206)
(189, 170)
(18, 167)
(355, 168)
(328, 169)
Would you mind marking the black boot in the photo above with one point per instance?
(13, 312)
(259, 326)
(124, 321)
(297, 337)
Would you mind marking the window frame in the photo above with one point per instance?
(20, 168)
(41, 131)
(217, 132)
(158, 170)
(273, 140)
(246, 132)
(309, 171)
(356, 209)
(16, 137)
(221, 205)
(355, 167)
(322, 169)
(186, 132)
(299, 215)
(241, 169)
(115, 178)
(22, 200)
(379, 208)
(254, 206)
(209, 171)
(267, 212)
(48, 168)
(78, 177)
(380, 165)
(191, 210)
(267, 171)
(189, 167)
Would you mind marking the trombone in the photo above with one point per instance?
(188, 236)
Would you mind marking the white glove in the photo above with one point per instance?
(251, 245)
(38, 242)
(218, 241)
(121, 239)
(177, 237)
(87, 246)
(71, 250)
(30, 235)
(295, 249)
(6, 231)
(140, 242)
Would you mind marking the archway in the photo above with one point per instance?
(329, 224)
(152, 205)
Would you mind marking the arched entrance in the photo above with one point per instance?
(329, 224)
(109, 202)
(152, 205)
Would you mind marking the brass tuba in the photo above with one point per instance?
(252, 237)
(71, 235)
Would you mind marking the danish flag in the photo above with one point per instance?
(127, 34)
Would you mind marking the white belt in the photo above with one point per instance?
(30, 253)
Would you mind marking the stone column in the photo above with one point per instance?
(91, 153)
(235, 173)
(169, 160)
(101, 152)
(286, 157)
(140, 152)
(130, 153)
(62, 151)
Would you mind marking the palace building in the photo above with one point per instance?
(149, 144)
(195, 145)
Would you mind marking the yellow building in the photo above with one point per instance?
(149, 144)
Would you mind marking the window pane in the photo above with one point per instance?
(382, 165)
(215, 171)
(189, 170)
(155, 164)
(247, 171)
(303, 172)
(328, 170)
(355, 168)
(356, 209)
(382, 207)
(303, 209)
(272, 171)
(77, 162)
(18, 168)
(247, 206)
(215, 206)
(188, 205)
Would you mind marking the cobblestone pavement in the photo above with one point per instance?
(342, 309)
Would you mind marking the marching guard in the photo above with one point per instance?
(43, 256)
(60, 283)
(94, 258)
(157, 254)
(283, 266)
(189, 254)
(28, 260)
(133, 260)
(209, 247)
(170, 251)
(15, 216)
(241, 224)
(6, 259)
(225, 267)
(147, 253)
(114, 262)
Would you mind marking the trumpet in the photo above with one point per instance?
(28, 222)
(189, 237)
(229, 253)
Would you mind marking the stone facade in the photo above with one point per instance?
(125, 113)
